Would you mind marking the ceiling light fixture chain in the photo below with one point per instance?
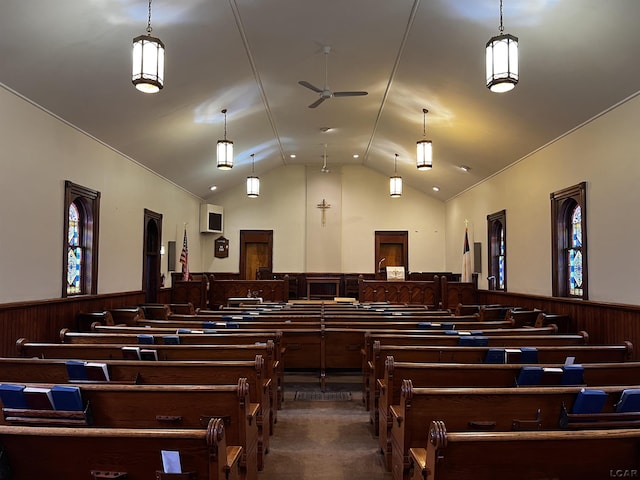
(424, 122)
(501, 28)
(149, 29)
(224, 112)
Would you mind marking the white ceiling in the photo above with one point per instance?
(73, 57)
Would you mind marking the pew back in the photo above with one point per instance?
(526, 455)
(38, 452)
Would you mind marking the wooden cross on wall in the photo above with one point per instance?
(323, 206)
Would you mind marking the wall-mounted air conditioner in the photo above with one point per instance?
(211, 218)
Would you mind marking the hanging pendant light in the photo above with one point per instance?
(148, 61)
(395, 182)
(324, 168)
(253, 182)
(424, 154)
(502, 61)
(225, 149)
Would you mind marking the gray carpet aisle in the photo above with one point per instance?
(323, 439)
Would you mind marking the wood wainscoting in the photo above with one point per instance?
(42, 320)
(606, 323)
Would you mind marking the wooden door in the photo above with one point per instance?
(391, 250)
(256, 251)
(151, 255)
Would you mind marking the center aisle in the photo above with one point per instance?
(323, 439)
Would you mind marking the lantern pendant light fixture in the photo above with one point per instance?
(395, 182)
(502, 61)
(424, 154)
(253, 182)
(225, 149)
(148, 61)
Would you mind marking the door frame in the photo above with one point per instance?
(255, 236)
(389, 236)
(151, 277)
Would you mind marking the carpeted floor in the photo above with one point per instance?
(323, 436)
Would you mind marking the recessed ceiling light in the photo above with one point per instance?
(355, 155)
(465, 168)
(293, 155)
(213, 187)
(436, 188)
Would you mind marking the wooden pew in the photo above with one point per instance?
(130, 372)
(273, 368)
(182, 308)
(159, 406)
(126, 315)
(506, 340)
(475, 375)
(84, 320)
(129, 336)
(526, 455)
(156, 310)
(437, 324)
(117, 453)
(479, 409)
(410, 338)
(455, 354)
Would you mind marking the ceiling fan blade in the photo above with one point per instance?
(310, 86)
(317, 102)
(349, 94)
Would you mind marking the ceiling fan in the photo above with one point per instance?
(326, 91)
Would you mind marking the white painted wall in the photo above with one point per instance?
(40, 152)
(605, 153)
(360, 205)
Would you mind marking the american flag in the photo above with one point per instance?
(184, 258)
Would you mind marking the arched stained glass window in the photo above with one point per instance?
(574, 260)
(80, 257)
(74, 251)
(569, 233)
(501, 250)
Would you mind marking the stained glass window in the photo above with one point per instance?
(574, 261)
(569, 258)
(80, 242)
(501, 271)
(74, 251)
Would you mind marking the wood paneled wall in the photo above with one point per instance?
(42, 320)
(606, 323)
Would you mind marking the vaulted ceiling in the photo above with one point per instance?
(73, 58)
